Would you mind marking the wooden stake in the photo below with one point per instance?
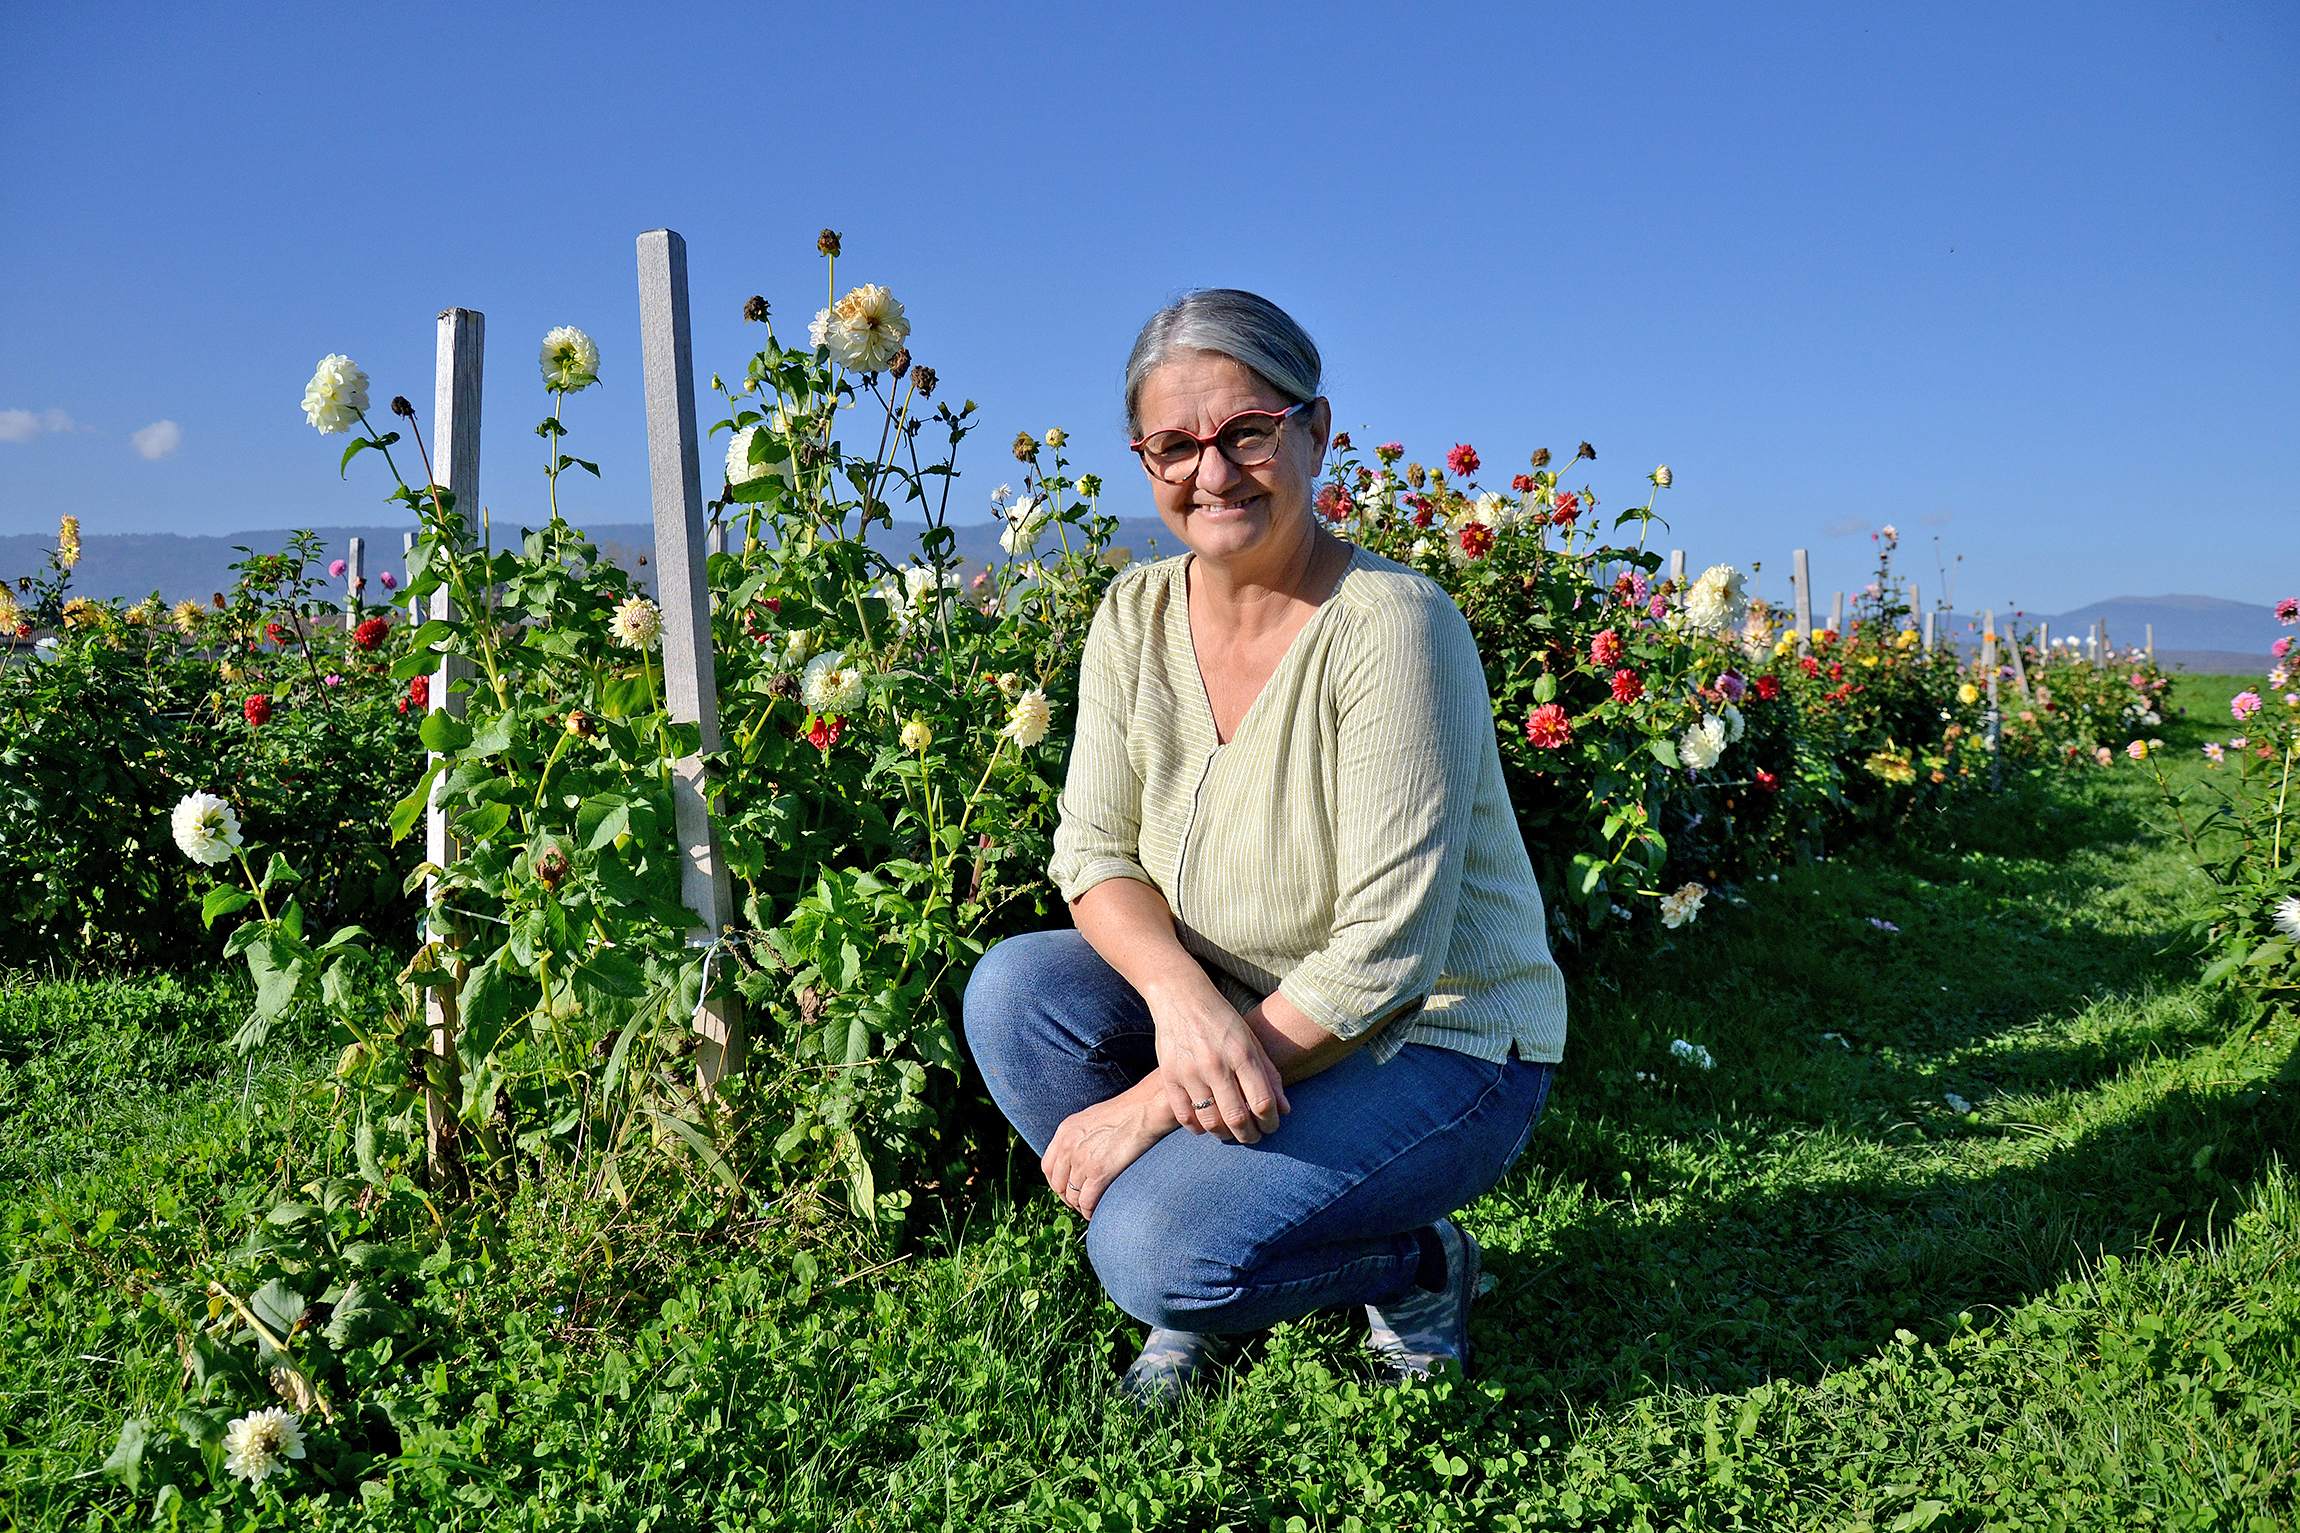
(1677, 573)
(2019, 667)
(1995, 718)
(1837, 613)
(2151, 632)
(455, 448)
(1803, 580)
(354, 581)
(1928, 633)
(690, 685)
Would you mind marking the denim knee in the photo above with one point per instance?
(1151, 1264)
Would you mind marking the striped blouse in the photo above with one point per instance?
(1352, 845)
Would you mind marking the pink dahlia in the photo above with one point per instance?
(1462, 459)
(1628, 686)
(1605, 649)
(2281, 647)
(1548, 727)
(2288, 611)
(2243, 705)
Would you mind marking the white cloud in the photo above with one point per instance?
(28, 425)
(1845, 526)
(158, 440)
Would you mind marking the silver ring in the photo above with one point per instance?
(1202, 1106)
(1077, 1187)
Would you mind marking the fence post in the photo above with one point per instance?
(2151, 632)
(407, 552)
(1677, 573)
(354, 582)
(1837, 613)
(455, 445)
(1928, 633)
(1802, 578)
(1995, 718)
(682, 586)
(2019, 666)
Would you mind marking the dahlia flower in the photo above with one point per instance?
(637, 623)
(1030, 720)
(1548, 727)
(258, 1443)
(2288, 916)
(829, 686)
(336, 568)
(570, 360)
(2288, 611)
(1701, 744)
(1026, 523)
(1462, 459)
(740, 468)
(2243, 705)
(68, 542)
(1605, 649)
(258, 709)
(336, 397)
(1627, 686)
(1968, 694)
(923, 588)
(2137, 750)
(863, 330)
(205, 828)
(1735, 725)
(1715, 602)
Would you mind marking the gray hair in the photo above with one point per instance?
(1245, 327)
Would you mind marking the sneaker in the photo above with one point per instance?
(1169, 1363)
(1423, 1329)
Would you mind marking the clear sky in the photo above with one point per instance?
(2024, 278)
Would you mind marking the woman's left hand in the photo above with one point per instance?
(1095, 1143)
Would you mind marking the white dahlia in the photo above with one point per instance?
(1715, 602)
(205, 828)
(570, 360)
(830, 686)
(260, 1442)
(1026, 523)
(637, 623)
(863, 330)
(1030, 720)
(1700, 746)
(2288, 916)
(336, 397)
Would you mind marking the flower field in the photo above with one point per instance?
(333, 1214)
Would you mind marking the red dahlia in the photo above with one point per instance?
(371, 633)
(1477, 540)
(258, 708)
(418, 695)
(1548, 727)
(1768, 688)
(276, 633)
(1333, 503)
(1605, 649)
(1524, 484)
(824, 732)
(1628, 686)
(1768, 782)
(1811, 666)
(1462, 459)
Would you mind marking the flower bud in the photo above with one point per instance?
(1661, 476)
(754, 309)
(916, 736)
(582, 725)
(828, 242)
(1056, 437)
(400, 406)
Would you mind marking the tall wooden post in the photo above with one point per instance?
(1802, 576)
(2150, 630)
(1989, 669)
(406, 553)
(690, 684)
(1916, 603)
(455, 450)
(354, 582)
(2044, 643)
(1928, 633)
(1837, 613)
(2019, 665)
(1677, 574)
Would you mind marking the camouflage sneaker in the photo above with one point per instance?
(1169, 1363)
(1424, 1329)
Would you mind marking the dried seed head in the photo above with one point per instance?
(1587, 451)
(1541, 458)
(900, 364)
(924, 382)
(783, 685)
(551, 867)
(1416, 475)
(828, 242)
(754, 309)
(400, 406)
(1025, 447)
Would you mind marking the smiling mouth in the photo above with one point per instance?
(1232, 507)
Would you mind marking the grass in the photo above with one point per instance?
(1796, 1290)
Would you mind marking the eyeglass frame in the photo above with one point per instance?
(1213, 439)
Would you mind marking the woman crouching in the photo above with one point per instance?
(1308, 1009)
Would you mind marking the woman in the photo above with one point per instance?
(1308, 1009)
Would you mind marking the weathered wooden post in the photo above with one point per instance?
(1677, 574)
(407, 552)
(1928, 633)
(2150, 630)
(1837, 613)
(690, 684)
(1989, 669)
(455, 448)
(354, 582)
(1916, 603)
(2044, 643)
(1802, 578)
(2019, 666)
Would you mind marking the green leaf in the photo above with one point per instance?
(363, 1147)
(1545, 688)
(360, 444)
(278, 1306)
(484, 823)
(444, 732)
(482, 1008)
(492, 738)
(222, 900)
(857, 1042)
(1664, 751)
(126, 1461)
(601, 819)
(408, 810)
(566, 462)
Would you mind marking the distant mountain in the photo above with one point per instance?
(2181, 622)
(135, 564)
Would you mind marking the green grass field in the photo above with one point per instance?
(1796, 1290)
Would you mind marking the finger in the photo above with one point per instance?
(1230, 1104)
(1179, 1100)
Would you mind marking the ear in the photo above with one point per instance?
(1319, 418)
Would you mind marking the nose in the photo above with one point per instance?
(1216, 473)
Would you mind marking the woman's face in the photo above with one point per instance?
(1225, 511)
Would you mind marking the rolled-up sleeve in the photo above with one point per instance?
(1098, 834)
(1412, 727)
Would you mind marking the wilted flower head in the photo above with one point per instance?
(828, 242)
(755, 309)
(68, 542)
(261, 1442)
(831, 686)
(205, 828)
(863, 330)
(1030, 720)
(637, 623)
(336, 397)
(923, 379)
(570, 360)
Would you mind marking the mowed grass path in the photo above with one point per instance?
(1797, 1289)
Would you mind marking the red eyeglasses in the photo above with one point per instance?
(1248, 439)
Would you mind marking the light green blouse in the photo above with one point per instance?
(1352, 845)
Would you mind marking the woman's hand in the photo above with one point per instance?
(1218, 1078)
(1096, 1143)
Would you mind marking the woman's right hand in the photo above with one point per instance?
(1219, 1078)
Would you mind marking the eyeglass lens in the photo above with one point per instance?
(1249, 441)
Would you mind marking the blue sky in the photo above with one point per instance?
(2022, 278)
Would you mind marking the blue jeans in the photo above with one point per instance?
(1202, 1235)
